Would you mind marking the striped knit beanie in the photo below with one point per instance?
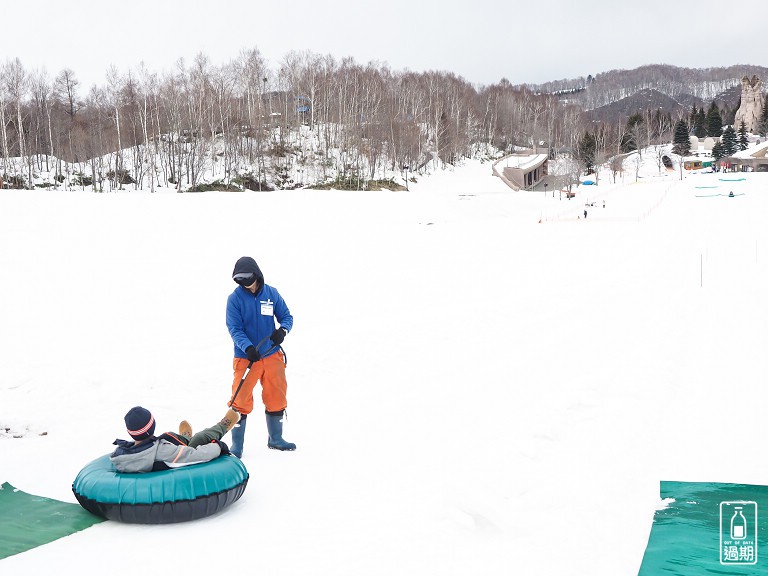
(140, 423)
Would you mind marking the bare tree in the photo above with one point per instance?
(114, 95)
(4, 96)
(146, 111)
(637, 162)
(660, 153)
(636, 132)
(571, 169)
(42, 130)
(65, 92)
(16, 84)
(617, 166)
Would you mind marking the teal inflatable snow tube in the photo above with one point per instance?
(175, 495)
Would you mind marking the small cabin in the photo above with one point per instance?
(697, 164)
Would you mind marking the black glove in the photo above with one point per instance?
(224, 448)
(252, 354)
(278, 336)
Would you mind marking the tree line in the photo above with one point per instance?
(254, 126)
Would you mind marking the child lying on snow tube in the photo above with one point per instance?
(147, 453)
(184, 477)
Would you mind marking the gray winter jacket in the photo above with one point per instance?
(159, 454)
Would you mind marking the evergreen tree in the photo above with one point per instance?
(730, 141)
(728, 114)
(628, 143)
(699, 123)
(717, 151)
(764, 119)
(714, 121)
(587, 149)
(681, 140)
(743, 139)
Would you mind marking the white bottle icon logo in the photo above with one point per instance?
(738, 525)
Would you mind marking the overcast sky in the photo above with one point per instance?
(482, 41)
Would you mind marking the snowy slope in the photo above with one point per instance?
(471, 391)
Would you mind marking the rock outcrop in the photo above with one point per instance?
(751, 108)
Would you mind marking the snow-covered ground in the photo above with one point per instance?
(481, 381)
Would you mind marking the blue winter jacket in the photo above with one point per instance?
(251, 318)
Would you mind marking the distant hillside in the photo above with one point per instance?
(646, 99)
(651, 99)
(611, 95)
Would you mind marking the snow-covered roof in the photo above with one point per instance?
(526, 161)
(758, 151)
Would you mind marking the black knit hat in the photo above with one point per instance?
(140, 423)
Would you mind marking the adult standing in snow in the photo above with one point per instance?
(251, 313)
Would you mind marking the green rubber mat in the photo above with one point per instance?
(28, 521)
(709, 528)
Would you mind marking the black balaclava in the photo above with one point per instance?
(246, 271)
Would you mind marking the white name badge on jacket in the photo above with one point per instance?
(267, 308)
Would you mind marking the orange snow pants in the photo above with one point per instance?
(274, 386)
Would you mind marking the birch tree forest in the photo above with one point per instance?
(311, 120)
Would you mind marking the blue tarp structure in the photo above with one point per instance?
(28, 521)
(692, 535)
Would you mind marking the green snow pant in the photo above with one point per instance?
(208, 435)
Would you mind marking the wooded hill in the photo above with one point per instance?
(315, 120)
(618, 94)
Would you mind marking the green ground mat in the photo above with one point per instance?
(693, 535)
(28, 521)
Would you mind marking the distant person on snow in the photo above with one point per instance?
(148, 453)
(585, 214)
(251, 313)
